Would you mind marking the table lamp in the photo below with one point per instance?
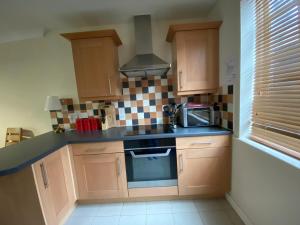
(53, 104)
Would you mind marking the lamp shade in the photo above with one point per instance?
(52, 103)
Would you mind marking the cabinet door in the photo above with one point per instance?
(60, 183)
(43, 191)
(93, 66)
(55, 186)
(101, 176)
(197, 61)
(203, 171)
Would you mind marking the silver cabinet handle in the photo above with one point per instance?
(44, 175)
(109, 84)
(180, 163)
(119, 166)
(167, 153)
(95, 150)
(201, 143)
(180, 79)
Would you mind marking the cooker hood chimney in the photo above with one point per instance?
(145, 62)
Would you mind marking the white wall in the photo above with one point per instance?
(32, 69)
(228, 13)
(266, 189)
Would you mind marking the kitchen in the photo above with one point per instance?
(146, 166)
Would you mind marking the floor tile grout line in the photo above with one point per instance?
(119, 219)
(220, 206)
(229, 218)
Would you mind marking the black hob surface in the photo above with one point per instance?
(148, 129)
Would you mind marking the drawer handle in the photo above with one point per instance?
(109, 86)
(180, 163)
(95, 150)
(44, 175)
(180, 79)
(201, 143)
(119, 167)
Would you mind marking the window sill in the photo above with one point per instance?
(276, 154)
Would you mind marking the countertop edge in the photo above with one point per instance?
(65, 139)
(29, 162)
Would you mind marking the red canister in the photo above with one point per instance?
(79, 124)
(94, 123)
(86, 124)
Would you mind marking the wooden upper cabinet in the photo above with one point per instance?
(95, 56)
(195, 53)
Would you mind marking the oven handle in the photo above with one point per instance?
(145, 148)
(167, 153)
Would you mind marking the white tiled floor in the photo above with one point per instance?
(177, 212)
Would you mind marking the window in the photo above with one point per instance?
(271, 60)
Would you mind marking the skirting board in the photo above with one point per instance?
(238, 210)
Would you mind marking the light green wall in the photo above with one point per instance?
(29, 71)
(32, 69)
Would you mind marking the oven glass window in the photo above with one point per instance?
(151, 167)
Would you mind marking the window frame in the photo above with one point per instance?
(247, 56)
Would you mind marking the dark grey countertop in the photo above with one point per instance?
(16, 157)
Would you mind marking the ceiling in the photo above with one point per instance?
(17, 16)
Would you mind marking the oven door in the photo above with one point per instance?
(151, 167)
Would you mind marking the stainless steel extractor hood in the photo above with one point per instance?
(145, 62)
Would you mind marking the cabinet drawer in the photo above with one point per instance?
(203, 142)
(97, 148)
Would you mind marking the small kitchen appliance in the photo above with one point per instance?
(198, 115)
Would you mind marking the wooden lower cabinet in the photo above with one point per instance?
(101, 176)
(44, 194)
(19, 200)
(204, 171)
(55, 186)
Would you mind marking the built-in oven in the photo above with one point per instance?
(151, 162)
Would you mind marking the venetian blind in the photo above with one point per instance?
(276, 94)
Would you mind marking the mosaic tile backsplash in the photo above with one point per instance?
(224, 98)
(142, 103)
